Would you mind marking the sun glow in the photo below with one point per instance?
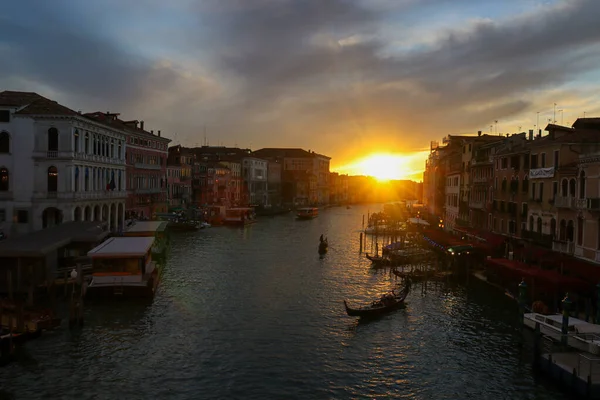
(386, 166)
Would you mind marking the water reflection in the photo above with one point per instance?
(254, 313)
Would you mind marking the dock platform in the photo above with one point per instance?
(578, 372)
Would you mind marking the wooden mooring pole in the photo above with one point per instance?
(360, 248)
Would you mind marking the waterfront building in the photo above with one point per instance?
(254, 172)
(510, 194)
(588, 202)
(219, 187)
(299, 188)
(482, 190)
(146, 164)
(237, 191)
(274, 171)
(57, 165)
(309, 162)
(179, 176)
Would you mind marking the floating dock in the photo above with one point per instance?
(579, 373)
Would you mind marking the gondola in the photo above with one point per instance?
(378, 261)
(323, 246)
(385, 304)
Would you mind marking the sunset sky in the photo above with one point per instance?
(346, 78)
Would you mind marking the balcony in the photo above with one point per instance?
(578, 251)
(477, 205)
(564, 202)
(480, 179)
(147, 166)
(70, 155)
(481, 161)
(148, 190)
(92, 195)
(563, 247)
(541, 239)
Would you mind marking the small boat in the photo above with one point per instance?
(239, 216)
(123, 267)
(307, 213)
(323, 246)
(386, 303)
(378, 260)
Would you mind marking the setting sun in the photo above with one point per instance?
(387, 166)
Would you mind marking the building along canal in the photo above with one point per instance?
(254, 313)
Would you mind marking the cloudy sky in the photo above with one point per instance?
(341, 77)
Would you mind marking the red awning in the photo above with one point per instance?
(541, 276)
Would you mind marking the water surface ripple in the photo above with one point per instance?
(254, 313)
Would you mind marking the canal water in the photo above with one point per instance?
(254, 313)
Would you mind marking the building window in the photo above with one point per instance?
(4, 143)
(525, 185)
(530, 223)
(562, 230)
(554, 190)
(570, 231)
(564, 188)
(86, 180)
(52, 139)
(543, 160)
(534, 161)
(86, 143)
(582, 185)
(76, 183)
(539, 224)
(22, 216)
(4, 180)
(580, 223)
(52, 183)
(4, 116)
(572, 187)
(553, 228)
(76, 141)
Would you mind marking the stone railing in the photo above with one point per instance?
(94, 195)
(564, 202)
(476, 204)
(563, 247)
(147, 166)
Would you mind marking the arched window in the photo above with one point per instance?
(76, 141)
(119, 151)
(4, 180)
(562, 232)
(553, 227)
(52, 179)
(504, 184)
(86, 179)
(4, 143)
(112, 148)
(580, 223)
(525, 184)
(52, 139)
(94, 144)
(570, 231)
(530, 223)
(564, 190)
(582, 185)
(572, 187)
(76, 182)
(539, 224)
(87, 143)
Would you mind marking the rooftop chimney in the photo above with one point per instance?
(531, 134)
(142, 125)
(158, 133)
(478, 133)
(152, 131)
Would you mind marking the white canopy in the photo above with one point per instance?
(418, 221)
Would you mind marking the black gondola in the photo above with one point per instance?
(378, 261)
(385, 304)
(323, 246)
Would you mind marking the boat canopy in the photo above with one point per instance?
(147, 226)
(122, 247)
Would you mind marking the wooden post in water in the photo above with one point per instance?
(522, 301)
(360, 248)
(566, 303)
(363, 222)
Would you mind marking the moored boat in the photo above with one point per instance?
(386, 303)
(239, 216)
(123, 266)
(378, 261)
(307, 213)
(155, 229)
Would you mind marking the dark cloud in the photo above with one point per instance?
(311, 72)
